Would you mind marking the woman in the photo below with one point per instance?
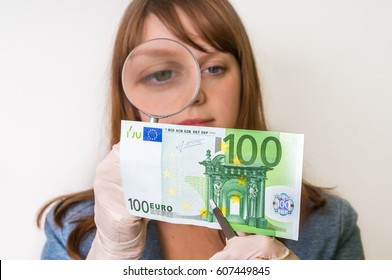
(94, 224)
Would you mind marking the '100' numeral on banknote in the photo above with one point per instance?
(170, 173)
(230, 139)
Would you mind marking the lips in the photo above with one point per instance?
(197, 122)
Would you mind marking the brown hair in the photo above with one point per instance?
(219, 25)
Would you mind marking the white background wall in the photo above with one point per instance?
(326, 68)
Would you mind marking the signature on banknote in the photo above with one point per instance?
(189, 144)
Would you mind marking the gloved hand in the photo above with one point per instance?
(119, 235)
(251, 247)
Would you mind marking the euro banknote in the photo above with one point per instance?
(170, 172)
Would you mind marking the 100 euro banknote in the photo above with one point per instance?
(170, 172)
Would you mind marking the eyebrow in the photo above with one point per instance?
(206, 56)
(154, 53)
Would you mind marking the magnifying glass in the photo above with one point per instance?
(161, 77)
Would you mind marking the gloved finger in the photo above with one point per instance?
(252, 247)
(105, 249)
(117, 227)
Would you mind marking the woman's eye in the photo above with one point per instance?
(215, 70)
(158, 77)
(161, 76)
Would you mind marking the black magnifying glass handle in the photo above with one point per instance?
(226, 228)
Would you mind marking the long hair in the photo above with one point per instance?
(218, 24)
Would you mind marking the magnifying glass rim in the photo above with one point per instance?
(198, 77)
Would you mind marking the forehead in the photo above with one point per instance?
(155, 28)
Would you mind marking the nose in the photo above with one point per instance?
(201, 97)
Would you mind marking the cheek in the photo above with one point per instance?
(232, 95)
(227, 102)
(168, 120)
(143, 117)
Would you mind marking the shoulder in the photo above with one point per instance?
(79, 210)
(56, 236)
(345, 225)
(331, 232)
(337, 212)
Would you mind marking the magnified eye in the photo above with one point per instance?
(159, 77)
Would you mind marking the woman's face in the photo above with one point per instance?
(218, 101)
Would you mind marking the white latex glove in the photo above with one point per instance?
(119, 235)
(251, 247)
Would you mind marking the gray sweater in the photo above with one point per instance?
(329, 233)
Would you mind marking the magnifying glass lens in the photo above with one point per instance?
(161, 77)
